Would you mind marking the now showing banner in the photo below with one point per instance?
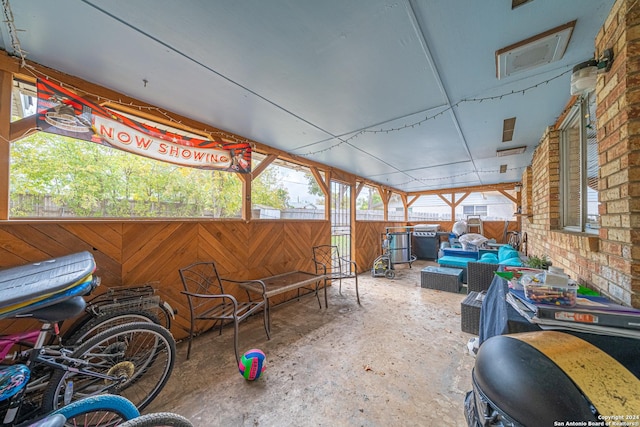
(62, 112)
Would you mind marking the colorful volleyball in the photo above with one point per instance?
(252, 364)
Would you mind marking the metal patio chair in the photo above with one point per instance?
(210, 299)
(328, 261)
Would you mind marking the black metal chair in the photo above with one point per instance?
(328, 261)
(210, 300)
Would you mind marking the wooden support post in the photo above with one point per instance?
(6, 86)
(322, 183)
(385, 195)
(354, 238)
(246, 195)
(405, 205)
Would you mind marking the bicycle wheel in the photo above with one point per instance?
(514, 240)
(160, 419)
(93, 325)
(136, 359)
(99, 411)
(165, 313)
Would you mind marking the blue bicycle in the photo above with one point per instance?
(105, 410)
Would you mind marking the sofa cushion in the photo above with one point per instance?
(503, 249)
(454, 261)
(460, 253)
(505, 255)
(512, 261)
(489, 258)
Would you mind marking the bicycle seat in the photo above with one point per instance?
(57, 312)
(34, 286)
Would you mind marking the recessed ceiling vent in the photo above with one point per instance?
(508, 126)
(518, 3)
(533, 52)
(511, 151)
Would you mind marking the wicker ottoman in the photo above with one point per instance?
(470, 313)
(441, 278)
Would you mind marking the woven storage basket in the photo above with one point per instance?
(441, 278)
(480, 275)
(470, 313)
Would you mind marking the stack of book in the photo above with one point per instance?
(591, 314)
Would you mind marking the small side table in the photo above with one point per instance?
(441, 278)
(470, 313)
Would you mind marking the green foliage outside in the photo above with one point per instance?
(369, 199)
(90, 180)
(314, 188)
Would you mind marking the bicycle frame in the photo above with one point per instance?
(53, 291)
(49, 356)
(101, 406)
(7, 342)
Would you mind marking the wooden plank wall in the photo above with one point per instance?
(368, 236)
(129, 253)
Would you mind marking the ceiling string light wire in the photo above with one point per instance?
(13, 31)
(25, 134)
(459, 175)
(230, 136)
(19, 52)
(235, 138)
(341, 140)
(434, 116)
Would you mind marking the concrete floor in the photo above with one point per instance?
(399, 359)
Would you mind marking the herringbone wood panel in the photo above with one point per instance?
(133, 253)
(368, 242)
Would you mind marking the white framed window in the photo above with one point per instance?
(579, 168)
(474, 210)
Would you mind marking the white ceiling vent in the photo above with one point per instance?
(511, 151)
(535, 51)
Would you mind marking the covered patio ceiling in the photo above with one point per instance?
(405, 93)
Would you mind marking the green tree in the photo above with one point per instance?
(370, 199)
(88, 179)
(267, 190)
(314, 188)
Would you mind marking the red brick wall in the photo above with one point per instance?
(609, 262)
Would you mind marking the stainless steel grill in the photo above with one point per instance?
(425, 241)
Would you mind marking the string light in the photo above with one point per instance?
(461, 174)
(226, 135)
(233, 137)
(13, 31)
(238, 139)
(432, 117)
